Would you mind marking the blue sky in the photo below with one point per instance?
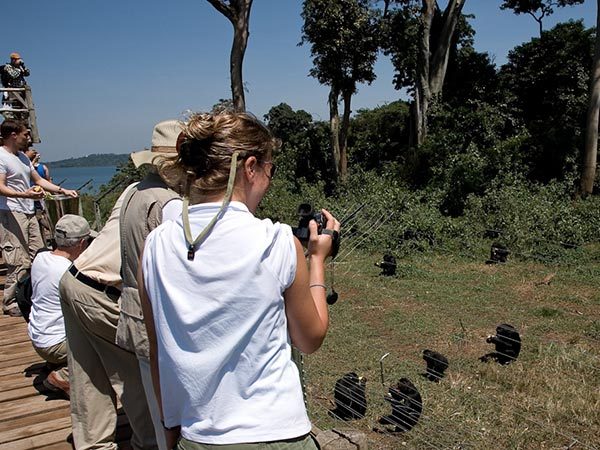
(104, 71)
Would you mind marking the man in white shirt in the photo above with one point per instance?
(20, 185)
(46, 324)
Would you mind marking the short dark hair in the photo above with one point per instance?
(11, 126)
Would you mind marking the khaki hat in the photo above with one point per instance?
(15, 55)
(164, 139)
(71, 226)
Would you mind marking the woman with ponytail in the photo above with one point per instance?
(226, 295)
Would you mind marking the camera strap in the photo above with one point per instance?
(194, 243)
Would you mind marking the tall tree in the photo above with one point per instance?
(538, 9)
(546, 84)
(590, 152)
(343, 39)
(419, 41)
(238, 13)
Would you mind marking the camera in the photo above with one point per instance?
(302, 232)
(306, 214)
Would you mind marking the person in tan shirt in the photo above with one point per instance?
(100, 370)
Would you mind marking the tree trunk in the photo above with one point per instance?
(238, 13)
(590, 152)
(238, 49)
(422, 93)
(432, 64)
(343, 169)
(334, 123)
(439, 60)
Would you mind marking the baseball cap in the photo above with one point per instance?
(71, 226)
(15, 55)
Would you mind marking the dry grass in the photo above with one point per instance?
(548, 399)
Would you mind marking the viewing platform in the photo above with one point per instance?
(30, 416)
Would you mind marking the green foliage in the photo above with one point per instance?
(95, 160)
(108, 194)
(547, 84)
(379, 135)
(401, 37)
(535, 221)
(304, 155)
(470, 76)
(542, 7)
(343, 39)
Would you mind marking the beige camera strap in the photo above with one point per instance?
(194, 243)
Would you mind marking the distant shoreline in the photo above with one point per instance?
(95, 160)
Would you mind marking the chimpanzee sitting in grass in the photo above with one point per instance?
(350, 397)
(406, 406)
(507, 342)
(436, 365)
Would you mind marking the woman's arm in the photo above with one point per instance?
(171, 434)
(151, 330)
(306, 300)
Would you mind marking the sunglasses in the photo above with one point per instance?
(273, 170)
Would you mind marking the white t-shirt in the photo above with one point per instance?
(224, 352)
(17, 169)
(46, 324)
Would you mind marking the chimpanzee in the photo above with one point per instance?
(498, 254)
(350, 397)
(508, 345)
(388, 265)
(406, 406)
(436, 365)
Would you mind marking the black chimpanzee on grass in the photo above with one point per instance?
(436, 365)
(350, 397)
(388, 265)
(406, 406)
(508, 345)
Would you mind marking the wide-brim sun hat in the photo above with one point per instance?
(164, 141)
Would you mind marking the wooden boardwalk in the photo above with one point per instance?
(30, 416)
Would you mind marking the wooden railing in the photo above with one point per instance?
(19, 105)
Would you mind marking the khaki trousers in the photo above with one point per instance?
(302, 443)
(56, 355)
(20, 239)
(100, 371)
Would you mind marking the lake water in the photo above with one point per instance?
(75, 177)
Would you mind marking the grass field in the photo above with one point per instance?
(548, 399)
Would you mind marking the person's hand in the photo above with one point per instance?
(70, 192)
(35, 192)
(320, 245)
(172, 436)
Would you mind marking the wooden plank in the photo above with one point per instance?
(10, 426)
(15, 434)
(39, 441)
(61, 446)
(16, 349)
(5, 358)
(24, 407)
(19, 393)
(18, 380)
(21, 362)
(10, 329)
(30, 363)
(15, 338)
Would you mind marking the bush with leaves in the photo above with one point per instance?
(534, 220)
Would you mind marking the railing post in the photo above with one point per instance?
(35, 135)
